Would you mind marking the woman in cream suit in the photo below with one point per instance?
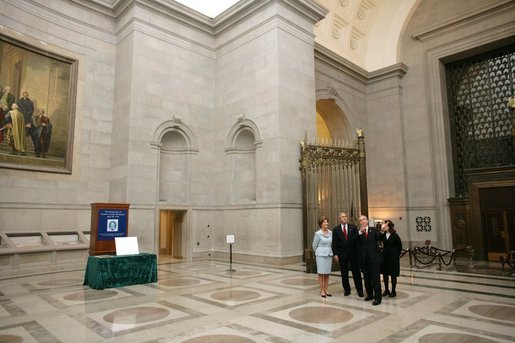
(324, 255)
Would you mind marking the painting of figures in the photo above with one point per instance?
(37, 100)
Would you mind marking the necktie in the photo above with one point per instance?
(366, 233)
(345, 231)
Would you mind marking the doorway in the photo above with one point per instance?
(498, 220)
(171, 234)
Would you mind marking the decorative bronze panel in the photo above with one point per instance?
(478, 90)
(423, 224)
(333, 181)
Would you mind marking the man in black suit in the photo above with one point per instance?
(370, 259)
(345, 236)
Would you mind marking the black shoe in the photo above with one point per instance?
(346, 293)
(369, 298)
(361, 295)
(329, 295)
(386, 292)
(376, 302)
(393, 294)
(322, 295)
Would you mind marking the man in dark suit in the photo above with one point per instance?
(370, 259)
(345, 236)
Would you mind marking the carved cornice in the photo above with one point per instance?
(478, 13)
(341, 64)
(114, 8)
(111, 8)
(396, 70)
(175, 10)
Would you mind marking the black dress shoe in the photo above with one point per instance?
(386, 292)
(393, 294)
(369, 298)
(376, 302)
(322, 295)
(346, 293)
(361, 295)
(329, 295)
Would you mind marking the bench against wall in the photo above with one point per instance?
(25, 253)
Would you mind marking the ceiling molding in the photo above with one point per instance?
(111, 8)
(488, 9)
(398, 69)
(244, 8)
(338, 62)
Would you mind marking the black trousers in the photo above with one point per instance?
(345, 263)
(371, 273)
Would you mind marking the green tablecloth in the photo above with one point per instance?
(117, 271)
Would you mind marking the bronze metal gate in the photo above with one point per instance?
(334, 180)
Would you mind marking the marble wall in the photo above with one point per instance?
(160, 84)
(148, 71)
(403, 111)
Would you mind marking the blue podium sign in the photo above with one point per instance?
(112, 223)
(108, 221)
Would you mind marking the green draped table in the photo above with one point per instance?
(117, 271)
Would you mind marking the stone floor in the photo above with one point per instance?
(204, 302)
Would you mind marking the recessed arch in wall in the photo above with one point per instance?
(241, 143)
(330, 110)
(240, 134)
(175, 142)
(175, 129)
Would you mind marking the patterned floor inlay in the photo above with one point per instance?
(299, 282)
(320, 315)
(453, 338)
(60, 282)
(219, 339)
(136, 315)
(11, 339)
(179, 282)
(234, 296)
(90, 295)
(495, 311)
(203, 302)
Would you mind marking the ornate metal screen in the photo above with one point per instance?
(333, 181)
(481, 121)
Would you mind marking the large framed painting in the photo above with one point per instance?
(37, 108)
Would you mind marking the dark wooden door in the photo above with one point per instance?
(498, 220)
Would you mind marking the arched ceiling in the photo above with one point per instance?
(365, 32)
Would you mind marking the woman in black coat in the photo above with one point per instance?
(392, 248)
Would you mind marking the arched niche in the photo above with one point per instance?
(241, 143)
(333, 110)
(175, 129)
(240, 134)
(175, 143)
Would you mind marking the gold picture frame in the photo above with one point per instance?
(49, 82)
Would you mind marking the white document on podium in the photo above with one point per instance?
(126, 246)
